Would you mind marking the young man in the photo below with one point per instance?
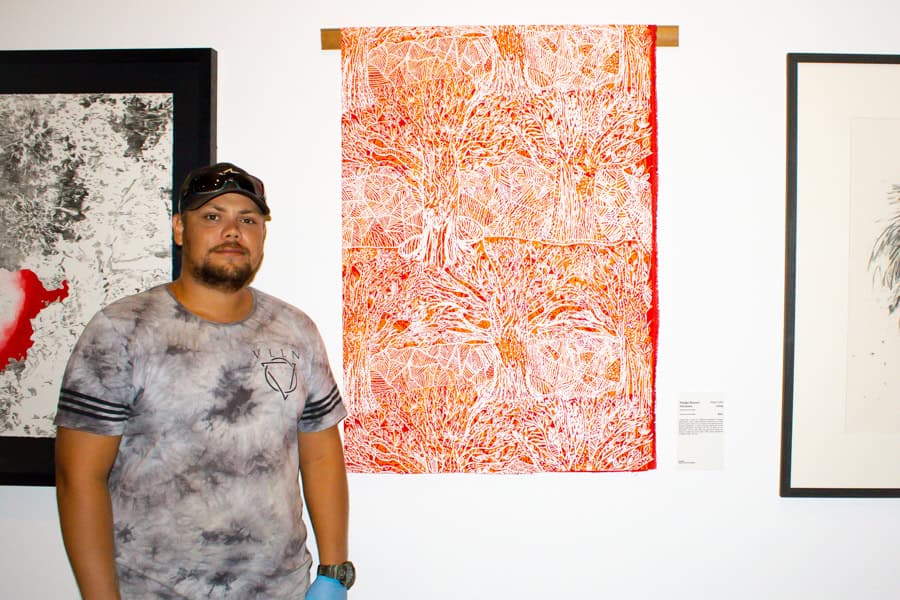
(185, 414)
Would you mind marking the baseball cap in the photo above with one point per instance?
(205, 183)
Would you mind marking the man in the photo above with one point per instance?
(185, 414)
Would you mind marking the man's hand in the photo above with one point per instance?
(326, 588)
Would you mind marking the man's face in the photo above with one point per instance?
(222, 241)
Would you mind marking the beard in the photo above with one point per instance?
(229, 277)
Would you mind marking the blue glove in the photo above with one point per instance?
(326, 588)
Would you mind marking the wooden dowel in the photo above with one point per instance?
(666, 35)
(331, 39)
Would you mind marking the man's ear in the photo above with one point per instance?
(177, 229)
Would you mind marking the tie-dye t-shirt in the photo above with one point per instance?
(205, 491)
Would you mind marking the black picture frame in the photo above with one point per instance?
(190, 75)
(831, 442)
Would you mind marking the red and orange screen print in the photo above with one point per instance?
(499, 255)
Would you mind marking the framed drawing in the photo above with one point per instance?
(841, 388)
(92, 144)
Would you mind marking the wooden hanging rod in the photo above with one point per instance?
(666, 35)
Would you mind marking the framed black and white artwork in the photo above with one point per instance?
(92, 145)
(841, 387)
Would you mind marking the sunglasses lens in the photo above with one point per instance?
(256, 186)
(206, 183)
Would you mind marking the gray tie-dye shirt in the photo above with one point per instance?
(205, 491)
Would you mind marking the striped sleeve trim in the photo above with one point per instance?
(88, 406)
(320, 408)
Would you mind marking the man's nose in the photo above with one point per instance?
(231, 229)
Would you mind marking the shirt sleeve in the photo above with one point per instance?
(324, 406)
(97, 391)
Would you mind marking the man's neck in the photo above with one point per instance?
(210, 303)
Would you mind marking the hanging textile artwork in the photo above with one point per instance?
(499, 254)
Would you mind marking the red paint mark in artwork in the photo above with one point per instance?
(36, 297)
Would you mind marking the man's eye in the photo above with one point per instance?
(211, 217)
(249, 220)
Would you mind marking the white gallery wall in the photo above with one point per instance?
(667, 533)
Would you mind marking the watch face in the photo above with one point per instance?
(346, 574)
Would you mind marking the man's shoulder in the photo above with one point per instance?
(268, 301)
(124, 316)
(276, 308)
(134, 304)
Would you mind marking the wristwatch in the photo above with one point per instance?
(344, 573)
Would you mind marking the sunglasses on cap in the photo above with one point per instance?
(203, 184)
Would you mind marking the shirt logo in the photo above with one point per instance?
(281, 375)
